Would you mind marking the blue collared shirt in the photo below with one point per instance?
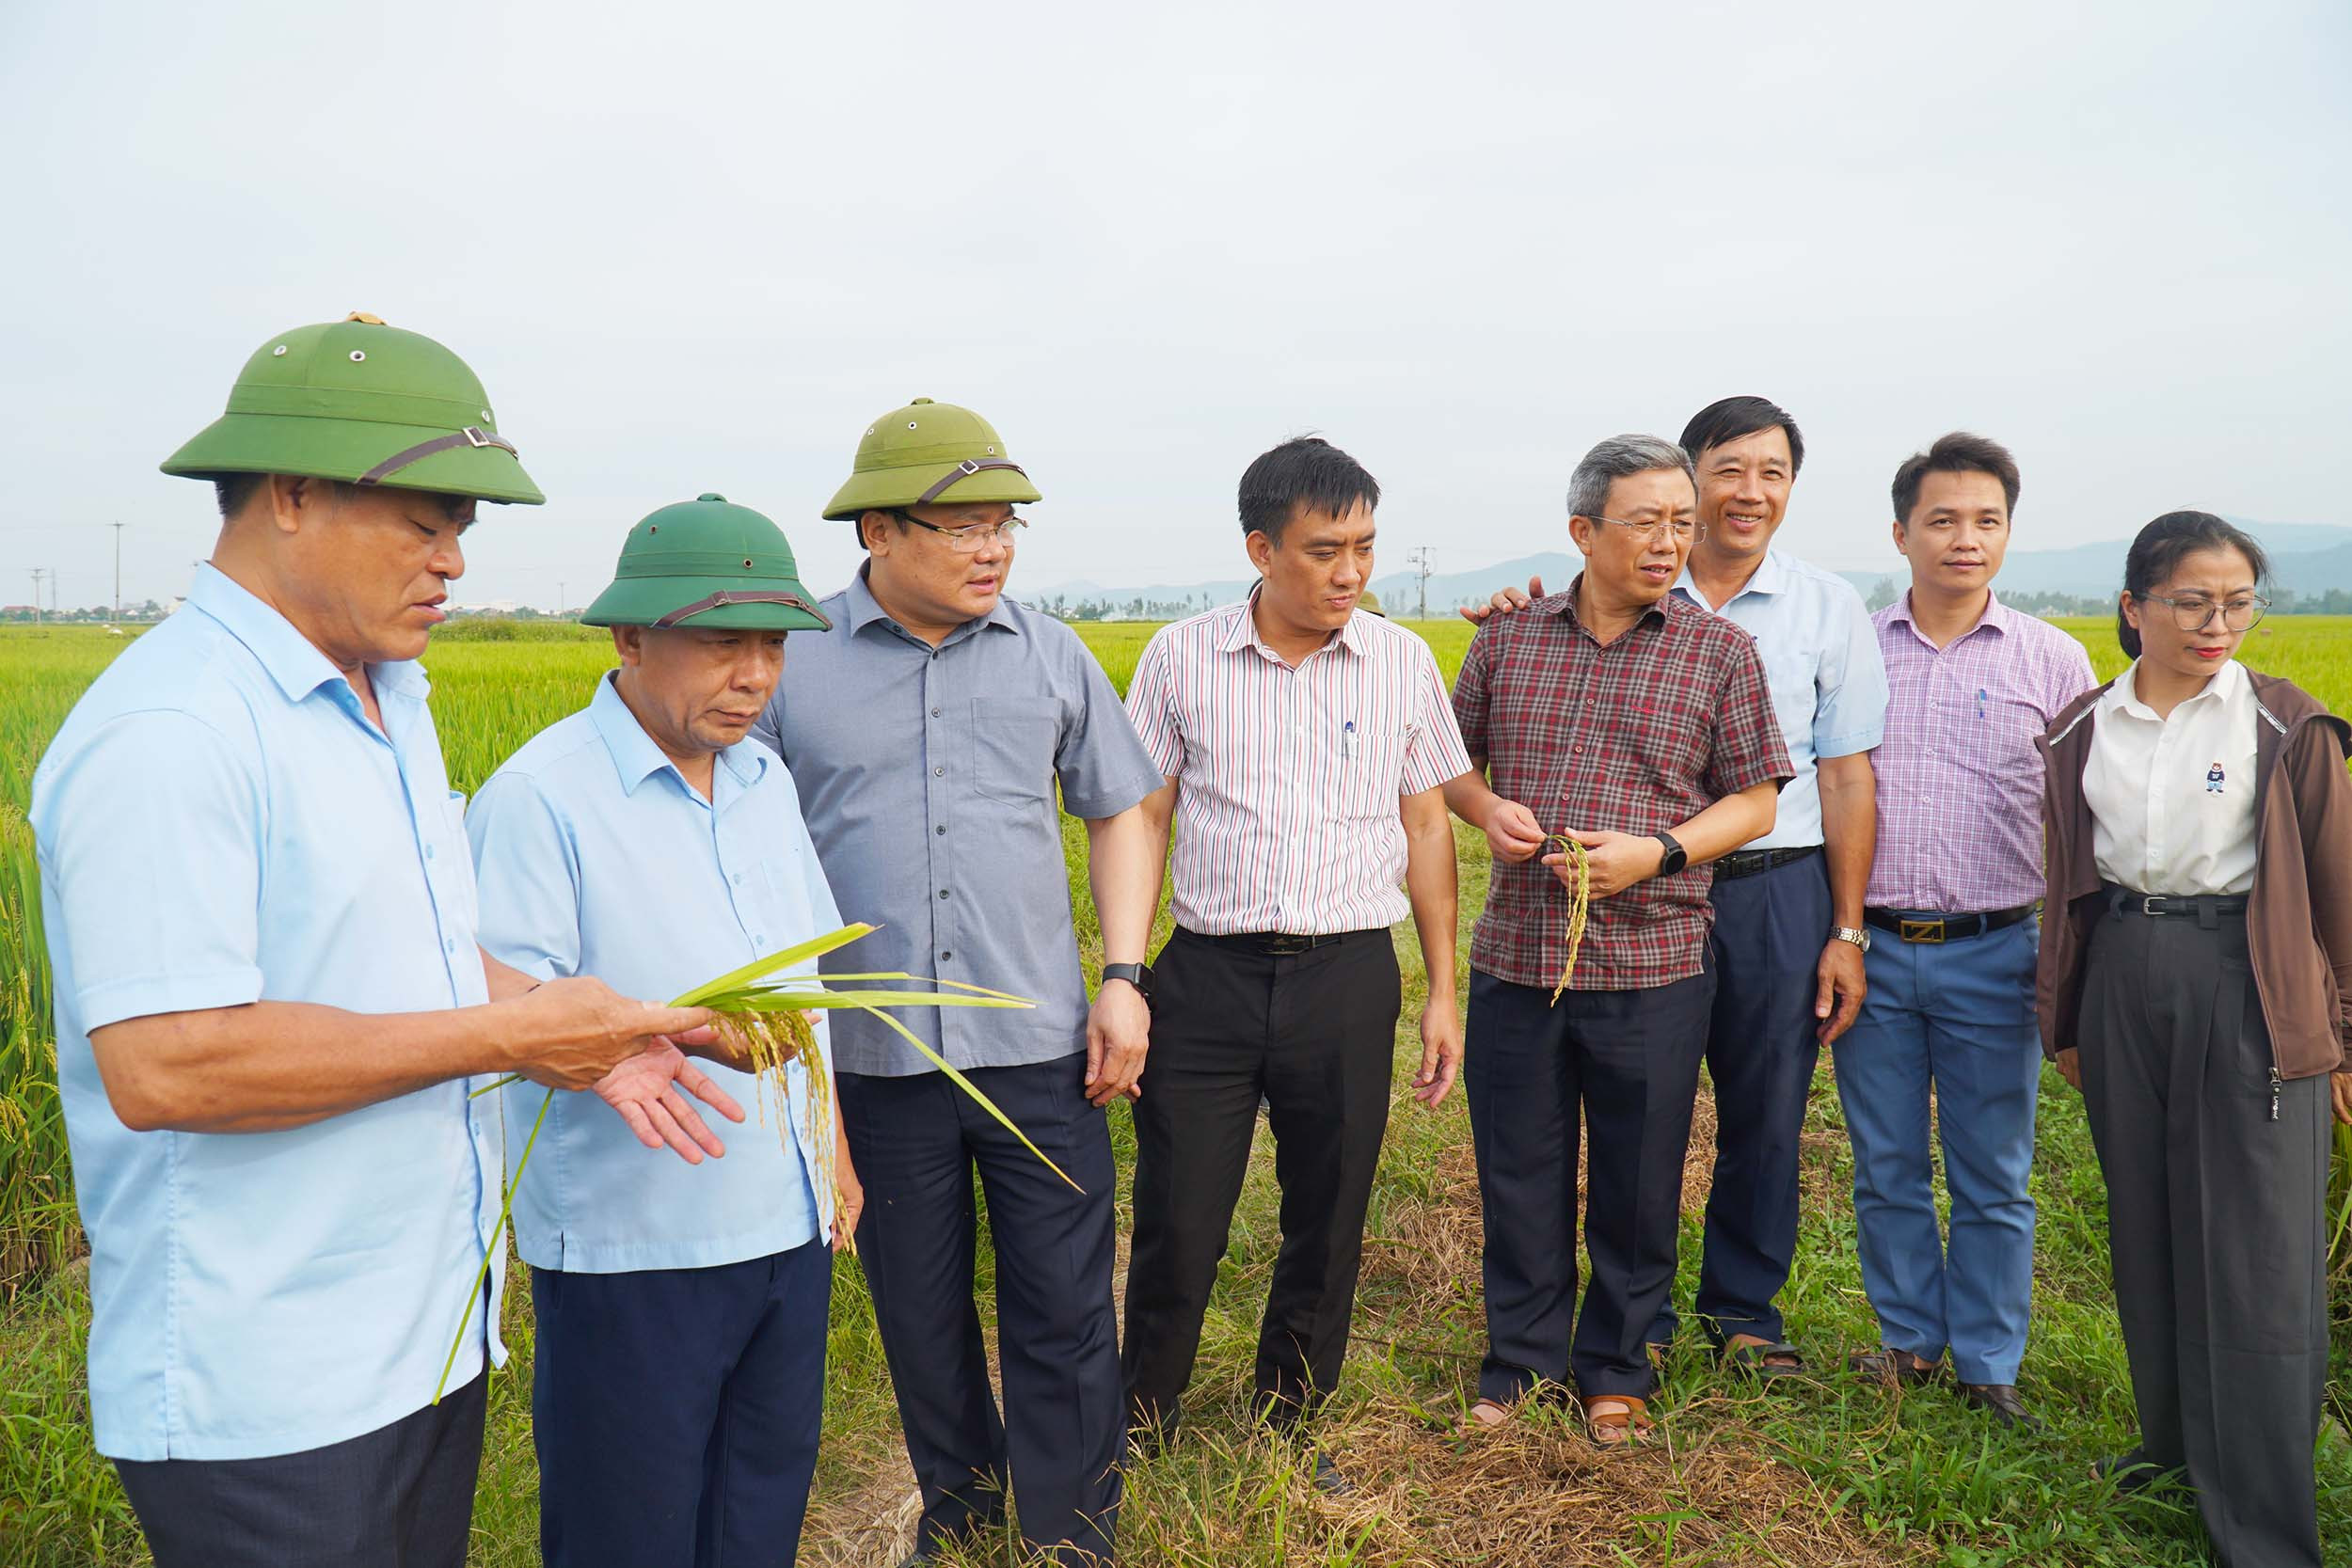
(219, 824)
(597, 857)
(1827, 678)
(929, 777)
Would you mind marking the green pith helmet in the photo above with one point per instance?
(364, 403)
(706, 563)
(1370, 601)
(929, 453)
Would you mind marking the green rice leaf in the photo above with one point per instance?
(969, 1088)
(759, 968)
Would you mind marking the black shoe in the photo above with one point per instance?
(2134, 1472)
(1892, 1368)
(2000, 1401)
(1329, 1481)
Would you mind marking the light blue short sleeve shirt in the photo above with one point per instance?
(597, 857)
(1828, 679)
(218, 824)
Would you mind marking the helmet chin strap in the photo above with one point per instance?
(472, 435)
(965, 470)
(746, 595)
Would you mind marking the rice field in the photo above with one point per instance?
(1827, 1475)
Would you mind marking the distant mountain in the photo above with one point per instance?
(2309, 558)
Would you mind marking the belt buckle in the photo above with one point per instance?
(1288, 944)
(2148, 902)
(1921, 931)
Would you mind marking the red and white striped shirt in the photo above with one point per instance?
(1288, 780)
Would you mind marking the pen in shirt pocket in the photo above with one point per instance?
(1347, 740)
(1982, 696)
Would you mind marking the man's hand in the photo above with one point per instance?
(2070, 1068)
(2339, 1089)
(1512, 831)
(849, 1193)
(1843, 985)
(1440, 1051)
(570, 1033)
(1118, 1032)
(1505, 601)
(645, 1091)
(1613, 862)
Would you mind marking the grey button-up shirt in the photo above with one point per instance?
(927, 777)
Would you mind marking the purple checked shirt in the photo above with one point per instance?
(1959, 780)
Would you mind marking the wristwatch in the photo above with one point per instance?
(1675, 857)
(1847, 933)
(1137, 975)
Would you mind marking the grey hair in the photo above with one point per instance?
(1622, 457)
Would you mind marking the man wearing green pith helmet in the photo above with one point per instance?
(928, 731)
(260, 916)
(646, 840)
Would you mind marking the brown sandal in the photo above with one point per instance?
(1623, 1428)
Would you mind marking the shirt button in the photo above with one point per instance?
(945, 954)
(934, 713)
(942, 892)
(738, 878)
(428, 851)
(939, 772)
(941, 829)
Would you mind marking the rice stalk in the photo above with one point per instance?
(767, 1020)
(1577, 908)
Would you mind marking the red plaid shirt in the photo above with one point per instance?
(1634, 737)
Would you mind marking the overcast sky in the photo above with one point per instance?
(695, 246)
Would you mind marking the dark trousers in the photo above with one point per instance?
(1761, 1053)
(1624, 1064)
(1061, 1440)
(1316, 1033)
(2216, 1225)
(676, 1411)
(400, 1496)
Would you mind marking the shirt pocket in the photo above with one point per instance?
(1013, 741)
(1372, 772)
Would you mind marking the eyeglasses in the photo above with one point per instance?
(1679, 530)
(973, 537)
(2195, 612)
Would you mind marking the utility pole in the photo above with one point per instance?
(118, 528)
(560, 603)
(1420, 559)
(37, 595)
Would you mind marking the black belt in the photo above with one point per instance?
(1747, 862)
(1279, 944)
(1945, 927)
(2204, 907)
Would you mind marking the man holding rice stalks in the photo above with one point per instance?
(1304, 746)
(270, 1000)
(645, 839)
(928, 731)
(1639, 730)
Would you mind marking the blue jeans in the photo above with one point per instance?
(1957, 1019)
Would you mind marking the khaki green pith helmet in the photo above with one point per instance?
(925, 454)
(706, 563)
(364, 403)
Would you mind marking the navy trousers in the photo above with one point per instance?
(1059, 1444)
(1624, 1064)
(676, 1411)
(1760, 1054)
(400, 1496)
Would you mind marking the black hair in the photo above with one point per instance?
(1956, 453)
(1728, 418)
(233, 490)
(1305, 474)
(2159, 550)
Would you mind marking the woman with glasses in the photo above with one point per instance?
(2196, 959)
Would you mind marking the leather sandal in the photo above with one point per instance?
(1759, 1359)
(1894, 1369)
(1623, 1428)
